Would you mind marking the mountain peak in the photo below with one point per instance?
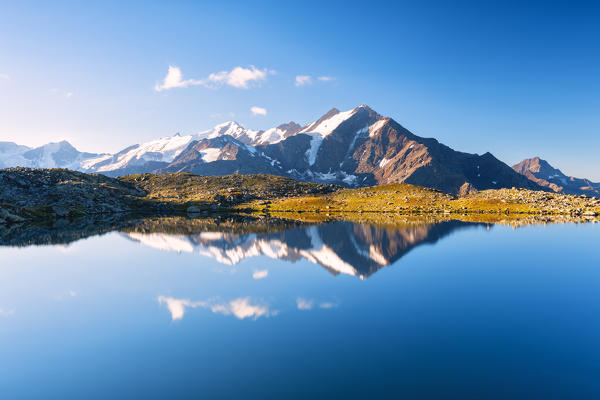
(544, 174)
(364, 107)
(63, 144)
(536, 165)
(228, 124)
(289, 125)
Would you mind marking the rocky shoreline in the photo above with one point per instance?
(57, 194)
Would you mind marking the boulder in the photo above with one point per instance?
(466, 189)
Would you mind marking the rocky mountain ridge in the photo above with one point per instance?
(354, 148)
(545, 175)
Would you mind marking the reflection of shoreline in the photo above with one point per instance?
(340, 247)
(65, 231)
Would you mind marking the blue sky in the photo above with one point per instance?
(514, 79)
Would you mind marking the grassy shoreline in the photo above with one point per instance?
(30, 194)
(403, 199)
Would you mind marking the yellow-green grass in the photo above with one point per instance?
(409, 199)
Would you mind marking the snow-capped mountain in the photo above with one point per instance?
(164, 154)
(52, 155)
(138, 158)
(11, 153)
(357, 147)
(249, 136)
(340, 247)
(220, 155)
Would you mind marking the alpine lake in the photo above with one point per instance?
(229, 308)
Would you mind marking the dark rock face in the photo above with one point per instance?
(542, 173)
(291, 128)
(289, 154)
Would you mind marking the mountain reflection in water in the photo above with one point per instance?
(340, 247)
(356, 249)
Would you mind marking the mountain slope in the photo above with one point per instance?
(542, 173)
(360, 147)
(220, 156)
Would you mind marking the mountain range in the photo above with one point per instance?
(358, 147)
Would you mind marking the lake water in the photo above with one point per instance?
(452, 310)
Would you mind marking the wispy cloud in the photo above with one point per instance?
(241, 308)
(4, 77)
(303, 80)
(6, 313)
(238, 77)
(260, 274)
(258, 110)
(304, 304)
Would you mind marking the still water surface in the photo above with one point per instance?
(449, 310)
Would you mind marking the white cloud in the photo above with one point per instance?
(241, 307)
(258, 110)
(302, 80)
(173, 79)
(239, 77)
(326, 78)
(4, 77)
(304, 304)
(6, 313)
(260, 274)
(69, 95)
